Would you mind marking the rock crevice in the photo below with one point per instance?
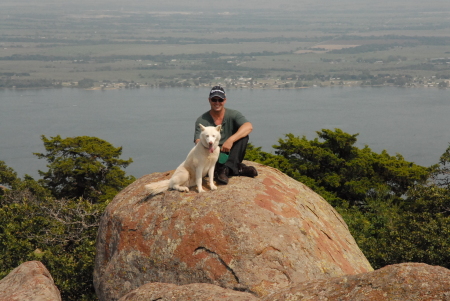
(216, 256)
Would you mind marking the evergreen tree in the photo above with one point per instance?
(86, 167)
(333, 164)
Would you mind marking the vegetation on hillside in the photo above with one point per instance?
(55, 220)
(396, 210)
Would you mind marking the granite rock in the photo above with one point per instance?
(31, 281)
(399, 282)
(255, 235)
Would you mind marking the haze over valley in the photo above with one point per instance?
(251, 44)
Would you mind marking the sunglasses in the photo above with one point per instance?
(217, 99)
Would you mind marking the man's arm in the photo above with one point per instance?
(197, 131)
(242, 132)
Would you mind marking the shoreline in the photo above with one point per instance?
(123, 87)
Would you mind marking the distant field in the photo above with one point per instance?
(105, 50)
(308, 45)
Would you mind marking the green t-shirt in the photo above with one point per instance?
(232, 121)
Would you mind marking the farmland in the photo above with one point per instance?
(107, 46)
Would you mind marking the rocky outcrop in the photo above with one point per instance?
(194, 292)
(30, 281)
(400, 282)
(255, 235)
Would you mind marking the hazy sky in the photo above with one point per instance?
(231, 5)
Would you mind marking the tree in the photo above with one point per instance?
(86, 83)
(390, 233)
(10, 181)
(83, 166)
(8, 178)
(59, 233)
(434, 196)
(350, 173)
(84, 174)
(443, 84)
(441, 173)
(414, 230)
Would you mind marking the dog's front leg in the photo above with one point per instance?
(211, 177)
(199, 178)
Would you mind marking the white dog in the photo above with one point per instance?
(200, 161)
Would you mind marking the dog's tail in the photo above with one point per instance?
(157, 187)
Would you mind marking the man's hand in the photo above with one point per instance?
(243, 131)
(227, 146)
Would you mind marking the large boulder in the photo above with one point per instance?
(30, 281)
(255, 235)
(194, 292)
(399, 282)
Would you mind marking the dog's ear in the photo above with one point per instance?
(202, 127)
(218, 128)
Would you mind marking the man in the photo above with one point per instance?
(234, 136)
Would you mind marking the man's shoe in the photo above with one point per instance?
(222, 175)
(247, 171)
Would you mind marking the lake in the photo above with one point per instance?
(155, 126)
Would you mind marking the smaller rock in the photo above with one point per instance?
(195, 291)
(31, 281)
(399, 282)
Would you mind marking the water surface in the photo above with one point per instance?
(155, 126)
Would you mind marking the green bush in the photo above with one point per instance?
(55, 220)
(333, 164)
(59, 233)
